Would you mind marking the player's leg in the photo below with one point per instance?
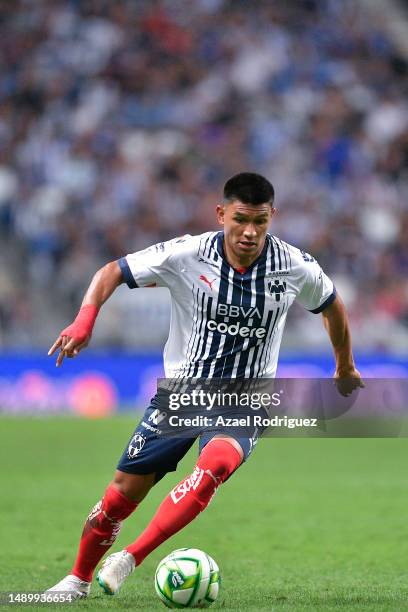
(218, 459)
(216, 462)
(139, 468)
(104, 522)
(220, 455)
(102, 527)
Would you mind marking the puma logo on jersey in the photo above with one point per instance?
(206, 281)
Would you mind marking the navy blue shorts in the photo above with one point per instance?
(148, 452)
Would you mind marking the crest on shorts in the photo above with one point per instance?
(135, 445)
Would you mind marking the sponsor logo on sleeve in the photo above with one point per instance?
(307, 257)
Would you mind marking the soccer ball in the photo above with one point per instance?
(187, 578)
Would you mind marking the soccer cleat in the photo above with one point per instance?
(115, 569)
(76, 587)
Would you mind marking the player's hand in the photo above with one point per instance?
(69, 343)
(348, 381)
(76, 336)
(69, 347)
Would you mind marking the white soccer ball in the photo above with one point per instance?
(187, 578)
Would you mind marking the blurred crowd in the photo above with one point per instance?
(121, 120)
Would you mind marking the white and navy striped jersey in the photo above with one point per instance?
(225, 324)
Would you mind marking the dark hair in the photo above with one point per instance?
(249, 188)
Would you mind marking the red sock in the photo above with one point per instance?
(217, 461)
(101, 530)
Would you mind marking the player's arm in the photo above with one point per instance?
(76, 336)
(319, 295)
(336, 323)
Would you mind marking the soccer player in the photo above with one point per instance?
(230, 291)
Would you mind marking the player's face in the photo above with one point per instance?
(245, 228)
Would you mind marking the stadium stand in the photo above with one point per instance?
(120, 121)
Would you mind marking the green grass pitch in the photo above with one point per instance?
(306, 524)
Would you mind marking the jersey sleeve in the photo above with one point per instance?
(318, 290)
(152, 267)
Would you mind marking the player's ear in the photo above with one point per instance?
(220, 210)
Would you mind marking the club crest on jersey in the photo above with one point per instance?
(277, 288)
(135, 446)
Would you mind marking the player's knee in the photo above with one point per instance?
(220, 458)
(133, 486)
